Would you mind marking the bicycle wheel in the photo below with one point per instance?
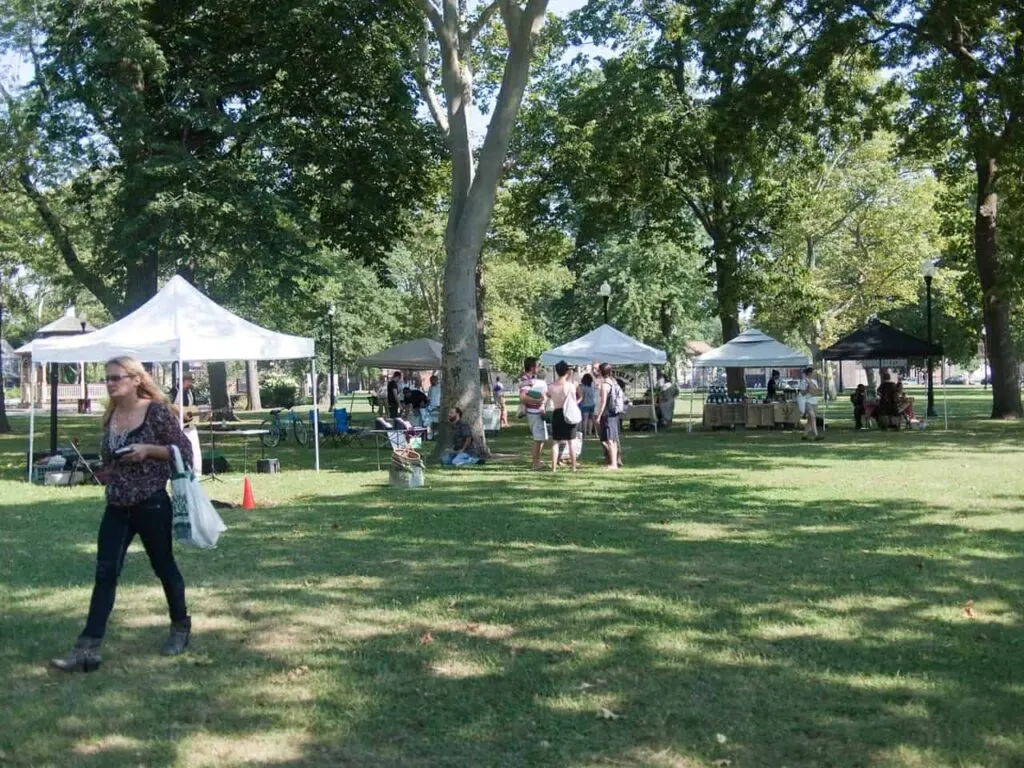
(273, 436)
(301, 432)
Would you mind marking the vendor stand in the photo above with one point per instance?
(751, 349)
(610, 345)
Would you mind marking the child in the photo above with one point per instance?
(859, 398)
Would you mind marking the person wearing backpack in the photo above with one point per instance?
(611, 402)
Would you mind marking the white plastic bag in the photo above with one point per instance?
(195, 521)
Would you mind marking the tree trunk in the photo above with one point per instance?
(252, 386)
(481, 294)
(1006, 403)
(460, 367)
(5, 425)
(220, 403)
(729, 317)
(728, 304)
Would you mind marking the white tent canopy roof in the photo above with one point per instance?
(752, 349)
(605, 345)
(179, 323)
(415, 355)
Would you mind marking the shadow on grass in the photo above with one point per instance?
(695, 605)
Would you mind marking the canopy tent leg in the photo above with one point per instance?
(31, 419)
(181, 397)
(316, 416)
(54, 400)
(689, 421)
(824, 395)
(654, 407)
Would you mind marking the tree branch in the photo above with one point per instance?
(433, 14)
(60, 235)
(954, 47)
(477, 26)
(427, 90)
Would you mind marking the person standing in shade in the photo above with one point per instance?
(859, 400)
(499, 400)
(587, 404)
(395, 395)
(666, 400)
(533, 394)
(610, 404)
(562, 431)
(809, 391)
(139, 432)
(773, 387)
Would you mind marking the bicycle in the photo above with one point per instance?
(277, 428)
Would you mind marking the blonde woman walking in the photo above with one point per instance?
(138, 434)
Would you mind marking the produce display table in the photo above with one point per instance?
(749, 415)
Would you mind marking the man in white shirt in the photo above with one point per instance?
(533, 394)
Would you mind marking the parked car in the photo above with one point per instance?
(956, 380)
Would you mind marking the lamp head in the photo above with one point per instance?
(605, 290)
(331, 310)
(928, 268)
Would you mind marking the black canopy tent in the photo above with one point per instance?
(880, 341)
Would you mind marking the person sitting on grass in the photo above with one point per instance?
(859, 400)
(462, 452)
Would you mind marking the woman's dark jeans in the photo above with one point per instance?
(151, 520)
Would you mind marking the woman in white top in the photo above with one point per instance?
(809, 391)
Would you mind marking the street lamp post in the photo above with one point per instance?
(86, 405)
(985, 375)
(928, 272)
(605, 291)
(330, 342)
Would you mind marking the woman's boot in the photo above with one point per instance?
(177, 641)
(83, 657)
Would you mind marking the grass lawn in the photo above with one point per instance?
(729, 599)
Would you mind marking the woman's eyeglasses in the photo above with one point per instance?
(114, 378)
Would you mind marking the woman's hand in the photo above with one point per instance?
(137, 452)
(143, 451)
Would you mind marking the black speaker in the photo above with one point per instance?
(217, 465)
(268, 467)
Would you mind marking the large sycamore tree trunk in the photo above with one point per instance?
(995, 308)
(475, 177)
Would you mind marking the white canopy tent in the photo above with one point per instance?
(751, 349)
(606, 345)
(177, 324)
(609, 345)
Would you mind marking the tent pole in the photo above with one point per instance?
(316, 417)
(31, 418)
(181, 397)
(693, 385)
(824, 395)
(654, 408)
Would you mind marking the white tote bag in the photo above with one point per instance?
(571, 409)
(195, 521)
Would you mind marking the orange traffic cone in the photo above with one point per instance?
(248, 502)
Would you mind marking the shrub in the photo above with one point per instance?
(279, 391)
